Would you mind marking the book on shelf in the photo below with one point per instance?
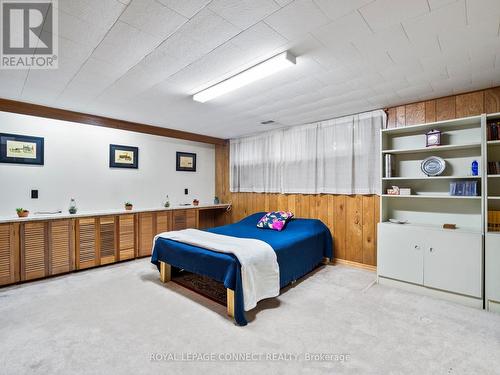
(493, 221)
(494, 167)
(493, 128)
(464, 188)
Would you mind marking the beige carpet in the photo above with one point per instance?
(113, 320)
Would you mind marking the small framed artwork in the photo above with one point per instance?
(186, 162)
(21, 149)
(123, 156)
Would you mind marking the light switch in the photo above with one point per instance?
(34, 193)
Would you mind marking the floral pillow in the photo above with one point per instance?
(275, 220)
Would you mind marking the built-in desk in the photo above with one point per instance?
(44, 245)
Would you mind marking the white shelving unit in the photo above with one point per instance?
(421, 254)
(492, 238)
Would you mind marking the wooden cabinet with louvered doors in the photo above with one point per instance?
(61, 240)
(126, 237)
(9, 253)
(182, 219)
(34, 250)
(107, 240)
(163, 221)
(146, 232)
(86, 243)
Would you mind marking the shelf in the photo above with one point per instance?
(490, 116)
(494, 176)
(474, 120)
(493, 143)
(494, 198)
(436, 227)
(426, 178)
(433, 149)
(438, 196)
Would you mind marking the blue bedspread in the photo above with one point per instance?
(299, 249)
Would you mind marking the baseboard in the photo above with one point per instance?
(368, 267)
(493, 306)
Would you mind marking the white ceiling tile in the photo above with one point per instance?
(436, 4)
(450, 18)
(124, 46)
(209, 29)
(214, 67)
(188, 8)
(101, 13)
(469, 36)
(259, 40)
(283, 2)
(341, 55)
(152, 17)
(480, 11)
(243, 13)
(348, 28)
(382, 14)
(297, 19)
(79, 31)
(335, 9)
(12, 82)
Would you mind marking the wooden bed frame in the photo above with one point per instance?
(166, 276)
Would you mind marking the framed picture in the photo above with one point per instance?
(123, 156)
(21, 149)
(186, 162)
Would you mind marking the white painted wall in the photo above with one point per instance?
(77, 165)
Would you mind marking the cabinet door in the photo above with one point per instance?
(126, 231)
(179, 220)
(34, 250)
(146, 233)
(86, 243)
(400, 253)
(183, 219)
(9, 253)
(107, 240)
(192, 218)
(163, 220)
(61, 246)
(453, 262)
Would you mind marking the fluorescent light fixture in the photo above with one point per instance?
(256, 72)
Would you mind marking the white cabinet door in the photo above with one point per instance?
(399, 254)
(492, 269)
(452, 262)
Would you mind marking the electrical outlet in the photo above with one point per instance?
(186, 191)
(34, 193)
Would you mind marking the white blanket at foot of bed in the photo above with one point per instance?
(260, 275)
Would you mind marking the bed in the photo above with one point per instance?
(301, 247)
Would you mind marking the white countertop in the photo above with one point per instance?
(66, 215)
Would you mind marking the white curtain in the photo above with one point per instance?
(339, 156)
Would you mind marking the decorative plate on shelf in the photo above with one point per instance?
(433, 166)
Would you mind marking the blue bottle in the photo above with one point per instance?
(475, 168)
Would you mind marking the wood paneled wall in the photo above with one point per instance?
(351, 219)
(447, 108)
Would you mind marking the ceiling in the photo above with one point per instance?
(141, 60)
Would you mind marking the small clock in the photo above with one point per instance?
(433, 138)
